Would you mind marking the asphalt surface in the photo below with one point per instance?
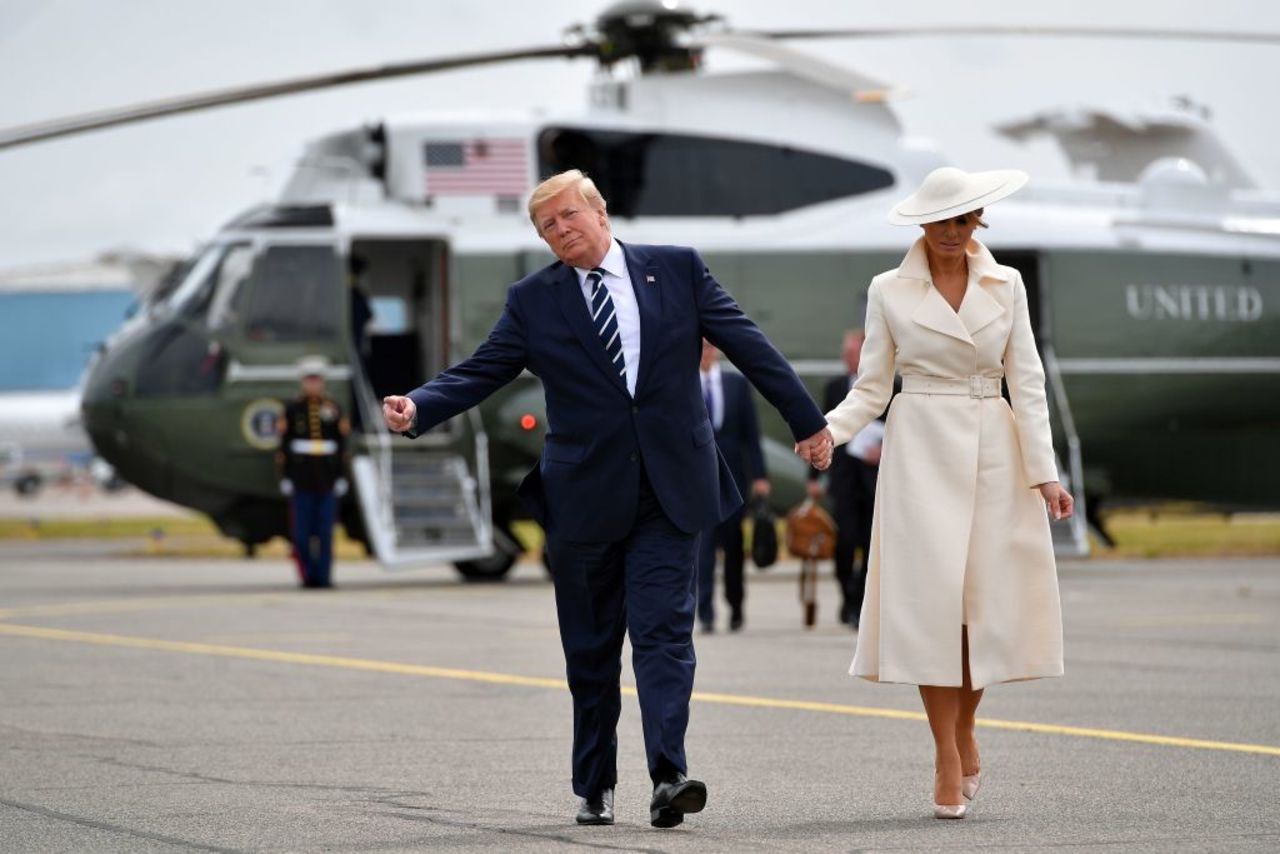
(163, 705)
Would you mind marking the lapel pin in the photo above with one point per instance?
(650, 279)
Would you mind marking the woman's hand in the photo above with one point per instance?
(1057, 499)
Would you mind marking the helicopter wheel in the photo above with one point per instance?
(27, 485)
(496, 566)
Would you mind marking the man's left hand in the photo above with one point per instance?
(760, 487)
(817, 449)
(340, 487)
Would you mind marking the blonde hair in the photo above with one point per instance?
(557, 184)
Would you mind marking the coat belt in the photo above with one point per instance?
(971, 386)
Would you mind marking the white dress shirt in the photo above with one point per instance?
(867, 439)
(714, 378)
(618, 281)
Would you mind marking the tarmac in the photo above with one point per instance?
(155, 704)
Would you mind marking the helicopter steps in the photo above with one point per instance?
(421, 507)
(1070, 536)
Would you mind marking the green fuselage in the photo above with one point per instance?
(1170, 366)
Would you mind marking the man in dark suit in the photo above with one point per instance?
(629, 473)
(733, 415)
(852, 486)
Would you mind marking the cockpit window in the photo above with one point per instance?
(664, 174)
(192, 293)
(295, 294)
(232, 273)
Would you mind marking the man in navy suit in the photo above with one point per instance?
(629, 472)
(852, 486)
(733, 415)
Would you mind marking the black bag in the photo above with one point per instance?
(764, 534)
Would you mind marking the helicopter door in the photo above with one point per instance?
(425, 502)
(404, 284)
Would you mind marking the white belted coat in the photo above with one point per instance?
(960, 534)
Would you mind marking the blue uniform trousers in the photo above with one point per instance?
(313, 518)
(642, 584)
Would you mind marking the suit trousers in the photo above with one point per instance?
(853, 502)
(727, 536)
(642, 584)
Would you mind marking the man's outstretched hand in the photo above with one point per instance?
(817, 449)
(399, 413)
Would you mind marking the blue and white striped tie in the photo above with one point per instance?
(605, 319)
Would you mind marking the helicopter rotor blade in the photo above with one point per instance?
(860, 87)
(70, 125)
(1016, 30)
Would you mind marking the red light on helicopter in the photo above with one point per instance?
(528, 421)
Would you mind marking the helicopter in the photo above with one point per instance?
(1154, 290)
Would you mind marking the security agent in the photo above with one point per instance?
(733, 415)
(852, 487)
(312, 465)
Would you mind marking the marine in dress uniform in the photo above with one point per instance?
(312, 463)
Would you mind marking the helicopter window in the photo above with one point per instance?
(190, 296)
(653, 174)
(232, 274)
(295, 295)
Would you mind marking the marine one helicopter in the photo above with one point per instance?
(1155, 291)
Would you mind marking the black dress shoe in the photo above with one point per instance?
(673, 798)
(736, 621)
(597, 810)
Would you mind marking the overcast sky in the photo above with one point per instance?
(166, 185)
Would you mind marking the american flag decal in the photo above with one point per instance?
(477, 167)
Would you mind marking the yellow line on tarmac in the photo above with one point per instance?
(152, 603)
(375, 666)
(278, 656)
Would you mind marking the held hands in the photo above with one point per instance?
(399, 413)
(817, 449)
(1056, 499)
(760, 487)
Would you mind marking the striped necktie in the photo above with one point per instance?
(605, 319)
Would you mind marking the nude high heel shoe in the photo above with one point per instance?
(952, 810)
(970, 784)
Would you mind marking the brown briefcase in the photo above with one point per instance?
(811, 533)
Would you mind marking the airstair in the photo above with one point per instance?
(425, 501)
(1070, 536)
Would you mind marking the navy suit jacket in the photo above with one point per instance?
(586, 486)
(739, 435)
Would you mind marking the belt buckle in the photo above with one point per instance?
(975, 386)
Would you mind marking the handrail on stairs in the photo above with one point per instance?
(380, 449)
(1079, 529)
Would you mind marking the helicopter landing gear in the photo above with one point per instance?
(1093, 518)
(28, 485)
(496, 566)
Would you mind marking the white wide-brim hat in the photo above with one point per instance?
(948, 192)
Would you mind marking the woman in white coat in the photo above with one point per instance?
(962, 588)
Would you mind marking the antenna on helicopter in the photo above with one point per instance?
(661, 35)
